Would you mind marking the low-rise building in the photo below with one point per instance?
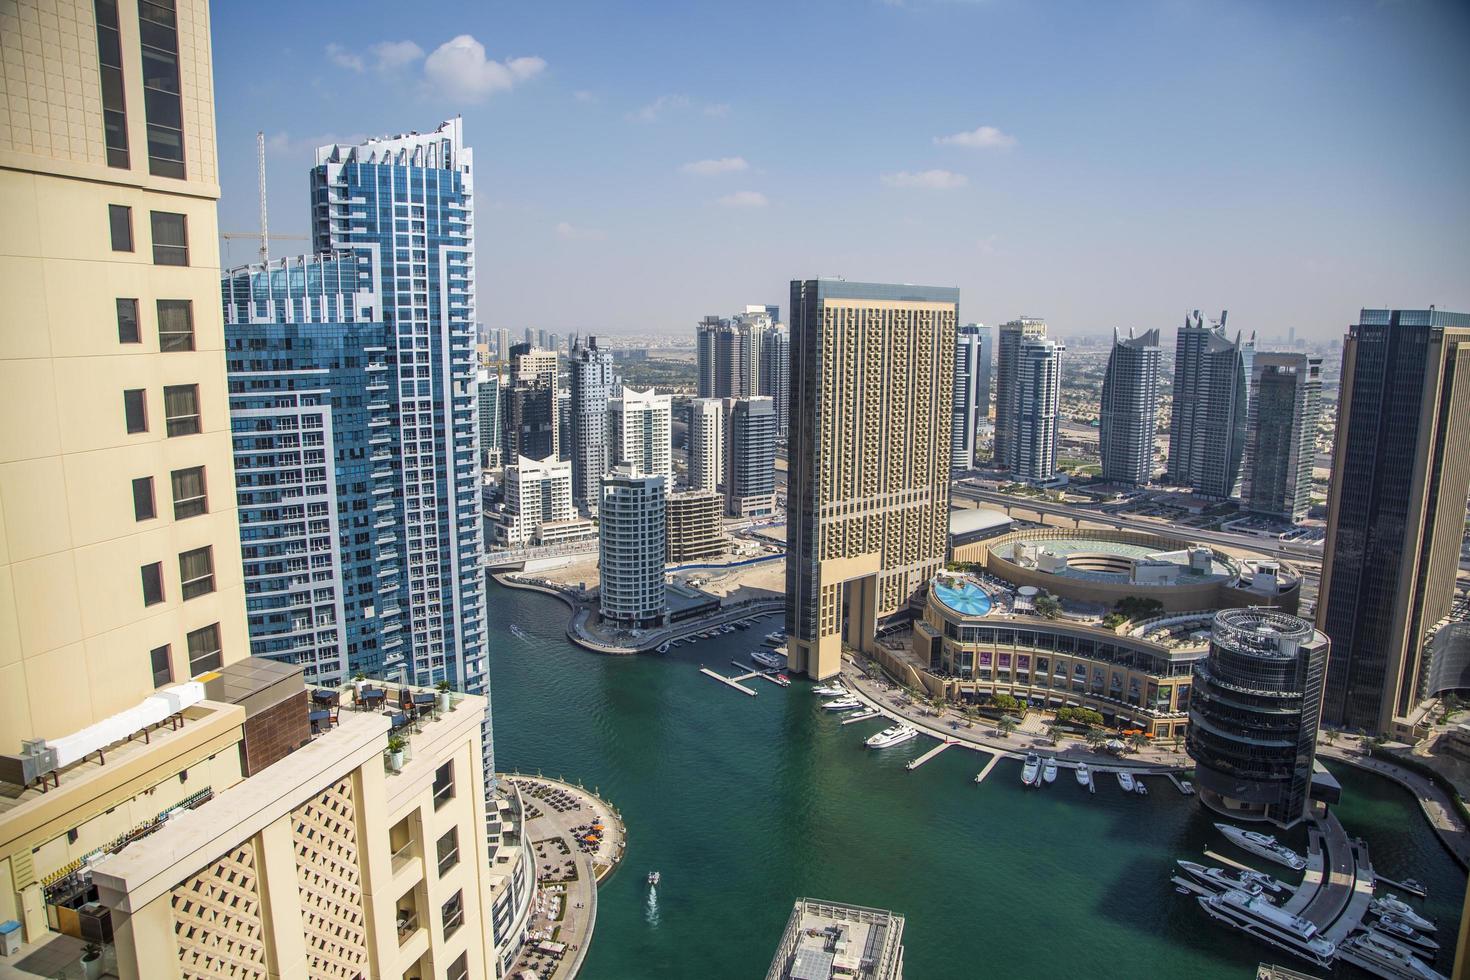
(695, 529)
(832, 941)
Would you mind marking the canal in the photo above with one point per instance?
(745, 804)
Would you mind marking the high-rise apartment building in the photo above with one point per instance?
(529, 411)
(1129, 409)
(706, 443)
(1207, 430)
(868, 477)
(488, 405)
(593, 383)
(404, 205)
(695, 530)
(1396, 511)
(971, 392)
(1281, 435)
(538, 505)
(1007, 390)
(729, 353)
(632, 545)
(1037, 403)
(775, 374)
(638, 427)
(750, 457)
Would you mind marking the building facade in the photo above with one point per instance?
(695, 530)
(1128, 413)
(868, 477)
(491, 426)
(1253, 715)
(750, 457)
(1396, 511)
(532, 405)
(404, 205)
(632, 545)
(1038, 405)
(775, 374)
(971, 393)
(593, 383)
(638, 427)
(1281, 437)
(1007, 384)
(1212, 383)
(706, 443)
(538, 505)
(728, 353)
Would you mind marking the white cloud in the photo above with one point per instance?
(981, 138)
(744, 199)
(713, 168)
(934, 180)
(459, 68)
(584, 95)
(343, 58)
(717, 109)
(656, 108)
(572, 233)
(393, 55)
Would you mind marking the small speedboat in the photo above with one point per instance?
(783, 680)
(519, 633)
(1031, 769)
(1049, 770)
(664, 647)
(1125, 780)
(1139, 788)
(1084, 775)
(654, 877)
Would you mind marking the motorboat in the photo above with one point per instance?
(1385, 958)
(1125, 780)
(783, 680)
(771, 661)
(1139, 788)
(727, 629)
(1263, 845)
(1219, 879)
(830, 690)
(1264, 880)
(654, 877)
(1031, 769)
(1403, 932)
(1256, 916)
(842, 704)
(519, 633)
(1084, 775)
(896, 735)
(664, 647)
(1049, 770)
(774, 638)
(1401, 910)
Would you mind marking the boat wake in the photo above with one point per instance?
(650, 908)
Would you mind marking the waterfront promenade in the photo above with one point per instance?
(1436, 805)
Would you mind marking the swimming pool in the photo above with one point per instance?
(965, 598)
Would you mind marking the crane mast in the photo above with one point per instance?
(265, 248)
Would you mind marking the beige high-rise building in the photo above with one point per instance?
(872, 373)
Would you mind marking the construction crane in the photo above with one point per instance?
(264, 234)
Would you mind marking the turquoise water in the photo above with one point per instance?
(966, 598)
(747, 803)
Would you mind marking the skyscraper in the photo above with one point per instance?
(592, 385)
(1396, 510)
(1281, 435)
(404, 205)
(971, 392)
(488, 404)
(728, 353)
(632, 547)
(868, 480)
(1037, 402)
(1007, 392)
(1211, 404)
(638, 432)
(530, 421)
(706, 443)
(775, 374)
(1129, 409)
(750, 457)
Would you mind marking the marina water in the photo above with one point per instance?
(745, 804)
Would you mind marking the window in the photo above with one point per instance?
(443, 784)
(460, 968)
(127, 322)
(196, 572)
(181, 409)
(175, 324)
(204, 653)
(448, 848)
(159, 33)
(453, 911)
(163, 668)
(190, 499)
(135, 409)
(143, 508)
(109, 63)
(120, 218)
(170, 238)
(153, 584)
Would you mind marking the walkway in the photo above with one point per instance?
(1438, 809)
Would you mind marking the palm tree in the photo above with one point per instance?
(1095, 736)
(1006, 725)
(1137, 741)
(1054, 733)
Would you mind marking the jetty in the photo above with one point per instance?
(868, 715)
(980, 778)
(916, 763)
(732, 681)
(769, 675)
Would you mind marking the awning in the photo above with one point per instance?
(1073, 704)
(1054, 700)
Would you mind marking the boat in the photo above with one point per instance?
(1256, 916)
(742, 625)
(664, 647)
(843, 704)
(1219, 879)
(830, 690)
(860, 716)
(771, 661)
(519, 633)
(654, 877)
(774, 638)
(1125, 780)
(1084, 775)
(783, 680)
(1049, 770)
(1264, 880)
(1186, 787)
(1031, 769)
(1403, 932)
(1262, 845)
(1139, 788)
(1385, 958)
(896, 735)
(1401, 910)
(727, 629)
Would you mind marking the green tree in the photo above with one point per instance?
(1006, 725)
(1054, 733)
(1086, 716)
(1048, 606)
(1095, 736)
(1137, 741)
(1005, 702)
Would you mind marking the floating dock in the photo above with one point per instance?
(994, 759)
(731, 681)
(916, 763)
(868, 715)
(1179, 784)
(1405, 888)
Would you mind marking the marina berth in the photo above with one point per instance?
(1258, 917)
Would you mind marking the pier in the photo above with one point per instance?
(1407, 889)
(1179, 784)
(980, 778)
(769, 675)
(868, 715)
(731, 681)
(916, 763)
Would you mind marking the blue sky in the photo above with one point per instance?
(641, 164)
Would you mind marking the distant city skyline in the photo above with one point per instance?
(1277, 179)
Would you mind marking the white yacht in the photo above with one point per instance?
(1256, 916)
(1049, 770)
(842, 704)
(891, 736)
(774, 638)
(1219, 879)
(830, 691)
(1084, 775)
(1385, 958)
(1401, 910)
(1031, 769)
(1403, 932)
(771, 661)
(1262, 845)
(1125, 780)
